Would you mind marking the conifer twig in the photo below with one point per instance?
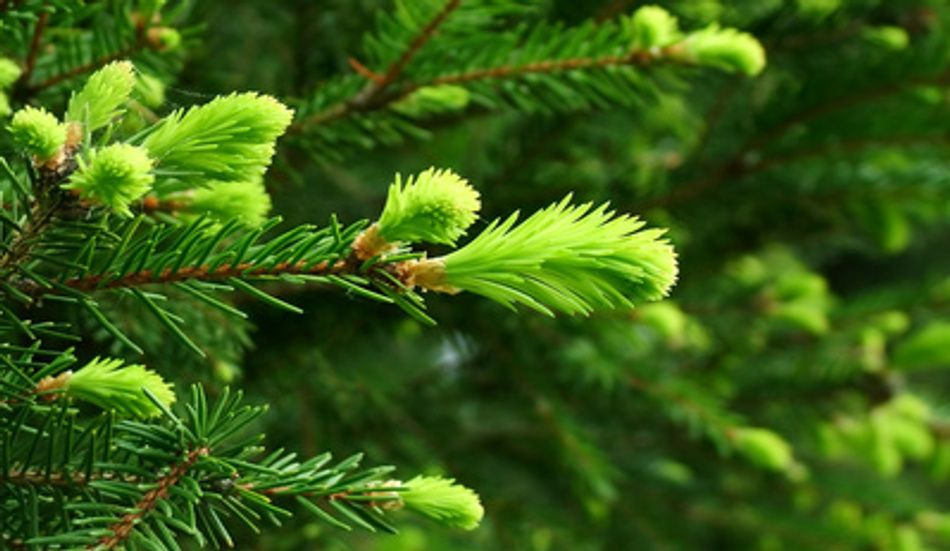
(19, 250)
(735, 166)
(693, 408)
(847, 146)
(641, 58)
(426, 34)
(367, 98)
(35, 43)
(205, 273)
(61, 479)
(121, 530)
(636, 57)
(140, 43)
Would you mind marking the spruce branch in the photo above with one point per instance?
(569, 258)
(18, 251)
(425, 34)
(736, 166)
(39, 218)
(761, 447)
(122, 530)
(148, 35)
(185, 473)
(737, 170)
(205, 273)
(369, 96)
(640, 58)
(437, 206)
(119, 55)
(64, 479)
(649, 38)
(707, 415)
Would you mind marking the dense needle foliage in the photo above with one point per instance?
(591, 275)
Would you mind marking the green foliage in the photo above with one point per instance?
(114, 176)
(38, 132)
(727, 49)
(763, 447)
(229, 139)
(444, 501)
(9, 72)
(247, 202)
(887, 438)
(568, 258)
(652, 27)
(927, 347)
(434, 100)
(149, 90)
(103, 96)
(128, 389)
(436, 206)
(537, 67)
(789, 398)
(165, 39)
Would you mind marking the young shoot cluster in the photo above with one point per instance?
(113, 176)
(565, 258)
(206, 160)
(38, 132)
(653, 28)
(437, 206)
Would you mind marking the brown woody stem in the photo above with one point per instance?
(121, 530)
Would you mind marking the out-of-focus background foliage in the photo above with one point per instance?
(810, 208)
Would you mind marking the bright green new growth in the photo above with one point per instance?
(437, 206)
(928, 347)
(165, 38)
(764, 448)
(114, 176)
(652, 27)
(229, 139)
(4, 105)
(9, 72)
(108, 384)
(38, 132)
(222, 201)
(434, 100)
(727, 49)
(569, 258)
(888, 36)
(149, 90)
(102, 99)
(444, 501)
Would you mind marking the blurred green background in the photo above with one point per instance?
(810, 209)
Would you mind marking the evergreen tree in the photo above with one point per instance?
(459, 282)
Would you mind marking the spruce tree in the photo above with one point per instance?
(244, 244)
